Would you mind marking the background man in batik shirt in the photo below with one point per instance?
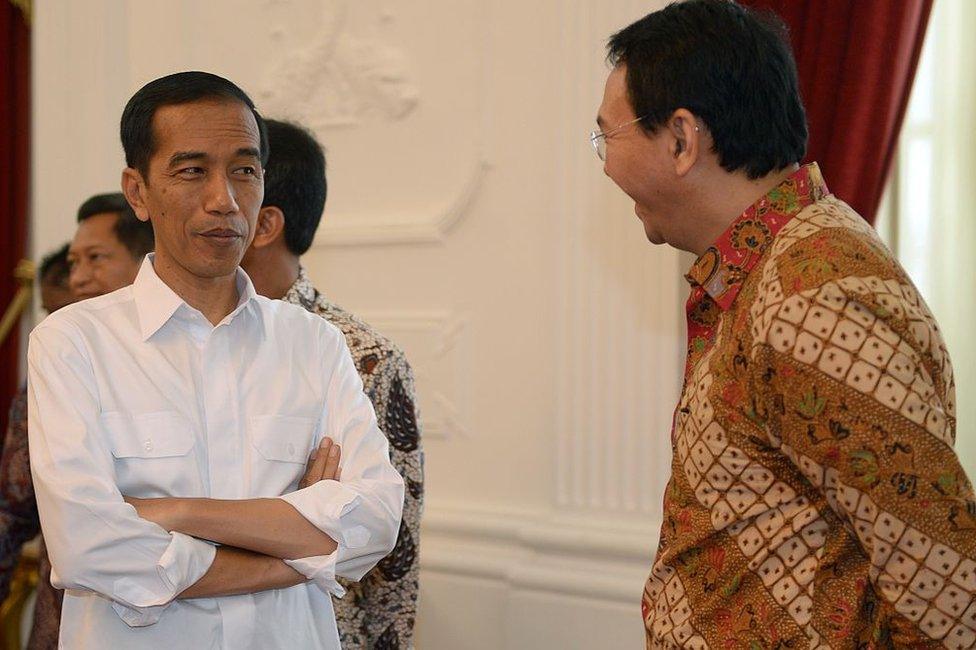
(104, 255)
(815, 498)
(379, 611)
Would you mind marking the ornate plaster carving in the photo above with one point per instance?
(341, 78)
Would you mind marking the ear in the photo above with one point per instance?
(134, 189)
(686, 140)
(270, 227)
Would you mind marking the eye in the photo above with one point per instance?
(190, 172)
(247, 170)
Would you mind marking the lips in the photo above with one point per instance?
(221, 233)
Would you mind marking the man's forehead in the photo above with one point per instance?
(204, 123)
(615, 108)
(96, 229)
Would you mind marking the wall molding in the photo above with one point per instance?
(539, 551)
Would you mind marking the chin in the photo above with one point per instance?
(653, 235)
(216, 269)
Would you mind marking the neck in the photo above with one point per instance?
(213, 297)
(721, 201)
(274, 274)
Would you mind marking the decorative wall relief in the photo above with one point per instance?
(341, 78)
(401, 114)
(431, 340)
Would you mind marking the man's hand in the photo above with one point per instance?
(323, 464)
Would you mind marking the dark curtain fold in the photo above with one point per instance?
(14, 177)
(856, 60)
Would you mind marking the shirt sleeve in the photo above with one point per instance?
(362, 512)
(18, 510)
(96, 541)
(860, 396)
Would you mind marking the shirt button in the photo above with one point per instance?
(291, 449)
(149, 445)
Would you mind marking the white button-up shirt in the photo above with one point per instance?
(135, 393)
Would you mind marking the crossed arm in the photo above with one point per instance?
(256, 535)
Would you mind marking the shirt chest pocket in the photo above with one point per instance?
(280, 446)
(152, 453)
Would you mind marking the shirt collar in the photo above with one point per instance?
(722, 269)
(156, 302)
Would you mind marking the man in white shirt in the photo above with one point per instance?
(183, 408)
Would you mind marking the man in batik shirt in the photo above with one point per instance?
(379, 611)
(815, 498)
(104, 255)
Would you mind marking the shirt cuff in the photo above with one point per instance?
(320, 569)
(324, 504)
(183, 562)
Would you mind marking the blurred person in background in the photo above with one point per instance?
(104, 255)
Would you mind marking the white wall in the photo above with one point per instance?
(469, 219)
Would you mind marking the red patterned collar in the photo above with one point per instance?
(721, 269)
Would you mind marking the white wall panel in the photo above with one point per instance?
(470, 220)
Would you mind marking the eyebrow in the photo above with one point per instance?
(184, 156)
(249, 151)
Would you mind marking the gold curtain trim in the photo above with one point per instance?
(25, 278)
(25, 8)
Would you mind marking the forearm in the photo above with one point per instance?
(236, 571)
(266, 526)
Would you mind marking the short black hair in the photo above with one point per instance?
(294, 182)
(137, 236)
(138, 139)
(730, 66)
(54, 268)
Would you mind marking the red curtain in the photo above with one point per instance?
(14, 177)
(856, 60)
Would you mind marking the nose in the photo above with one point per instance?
(220, 196)
(80, 277)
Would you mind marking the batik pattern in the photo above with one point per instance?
(815, 499)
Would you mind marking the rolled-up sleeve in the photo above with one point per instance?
(362, 512)
(96, 541)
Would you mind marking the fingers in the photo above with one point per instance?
(308, 469)
(330, 473)
(323, 464)
(317, 463)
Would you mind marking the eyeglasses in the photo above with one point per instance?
(599, 138)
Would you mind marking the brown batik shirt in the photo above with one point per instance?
(815, 499)
(378, 612)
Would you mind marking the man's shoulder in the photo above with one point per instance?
(364, 340)
(828, 242)
(89, 316)
(288, 319)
